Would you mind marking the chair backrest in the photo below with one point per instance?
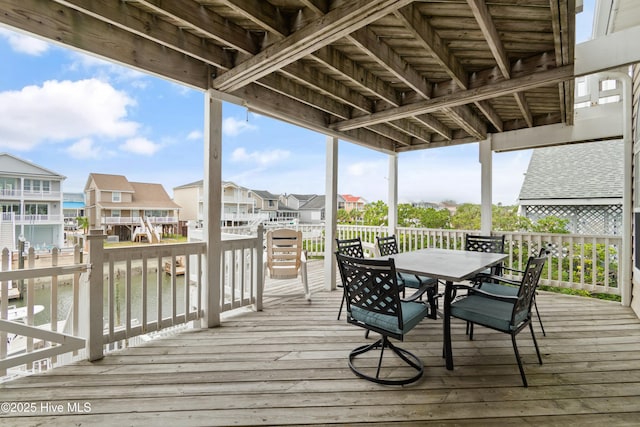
(284, 253)
(387, 245)
(527, 290)
(370, 287)
(476, 243)
(350, 247)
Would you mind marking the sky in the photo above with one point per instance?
(76, 114)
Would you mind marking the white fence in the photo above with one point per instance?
(126, 295)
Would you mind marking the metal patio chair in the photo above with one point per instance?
(421, 284)
(507, 314)
(373, 303)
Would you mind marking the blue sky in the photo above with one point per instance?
(76, 114)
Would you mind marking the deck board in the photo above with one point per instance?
(287, 365)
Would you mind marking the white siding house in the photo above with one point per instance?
(31, 199)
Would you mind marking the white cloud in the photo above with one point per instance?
(84, 149)
(24, 44)
(140, 146)
(63, 110)
(106, 70)
(262, 158)
(234, 127)
(195, 135)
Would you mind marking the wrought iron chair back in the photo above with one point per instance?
(477, 243)
(350, 247)
(388, 245)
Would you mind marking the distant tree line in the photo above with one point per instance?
(466, 217)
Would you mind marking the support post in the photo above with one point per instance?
(94, 302)
(393, 194)
(486, 184)
(212, 209)
(260, 267)
(330, 213)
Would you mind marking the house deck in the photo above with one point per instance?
(288, 365)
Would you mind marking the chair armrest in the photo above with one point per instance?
(492, 277)
(473, 290)
(515, 270)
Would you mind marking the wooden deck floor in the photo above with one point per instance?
(288, 365)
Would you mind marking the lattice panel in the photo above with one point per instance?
(583, 219)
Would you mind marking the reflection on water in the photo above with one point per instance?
(42, 296)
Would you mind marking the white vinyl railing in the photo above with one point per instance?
(577, 261)
(129, 295)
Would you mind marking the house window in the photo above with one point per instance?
(46, 186)
(116, 197)
(116, 213)
(36, 209)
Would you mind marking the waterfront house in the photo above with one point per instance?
(238, 204)
(129, 210)
(73, 207)
(579, 182)
(31, 199)
(351, 202)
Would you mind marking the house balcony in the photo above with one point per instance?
(38, 219)
(30, 195)
(288, 364)
(130, 220)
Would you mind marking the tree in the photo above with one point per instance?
(467, 217)
(376, 213)
(83, 223)
(435, 218)
(551, 224)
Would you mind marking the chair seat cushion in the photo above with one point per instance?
(411, 281)
(498, 289)
(412, 314)
(487, 312)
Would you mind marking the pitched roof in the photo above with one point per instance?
(12, 165)
(265, 195)
(318, 202)
(577, 171)
(109, 182)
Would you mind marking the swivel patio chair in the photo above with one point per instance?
(352, 248)
(508, 314)
(285, 257)
(422, 284)
(373, 303)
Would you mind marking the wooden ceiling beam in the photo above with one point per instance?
(334, 25)
(491, 114)
(468, 121)
(261, 13)
(67, 26)
(506, 87)
(488, 28)
(421, 29)
(191, 14)
(144, 24)
(386, 57)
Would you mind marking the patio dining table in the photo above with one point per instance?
(449, 266)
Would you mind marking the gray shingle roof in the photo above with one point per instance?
(579, 171)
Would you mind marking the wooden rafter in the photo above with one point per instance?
(506, 87)
(331, 27)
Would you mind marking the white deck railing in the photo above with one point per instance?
(577, 261)
(128, 295)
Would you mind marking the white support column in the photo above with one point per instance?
(92, 295)
(212, 208)
(393, 193)
(330, 213)
(486, 184)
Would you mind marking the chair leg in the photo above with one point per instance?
(535, 343)
(535, 305)
(341, 305)
(515, 349)
(305, 281)
(409, 358)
